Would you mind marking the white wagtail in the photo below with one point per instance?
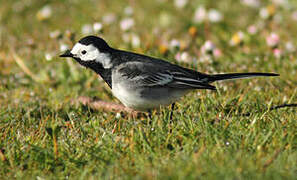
(141, 82)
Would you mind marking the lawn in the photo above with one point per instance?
(225, 134)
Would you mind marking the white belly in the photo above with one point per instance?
(146, 98)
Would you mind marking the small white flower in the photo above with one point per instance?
(32, 93)
(174, 44)
(214, 16)
(55, 34)
(208, 47)
(290, 47)
(127, 24)
(97, 26)
(131, 38)
(264, 13)
(180, 3)
(268, 11)
(183, 57)
(48, 56)
(200, 15)
(87, 29)
(44, 13)
(63, 47)
(118, 116)
(257, 88)
(135, 40)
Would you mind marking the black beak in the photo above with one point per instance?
(67, 54)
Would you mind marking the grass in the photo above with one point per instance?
(44, 136)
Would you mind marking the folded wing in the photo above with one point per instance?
(152, 75)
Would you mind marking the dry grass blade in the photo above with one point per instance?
(22, 65)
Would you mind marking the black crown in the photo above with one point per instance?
(96, 41)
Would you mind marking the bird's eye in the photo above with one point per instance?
(84, 52)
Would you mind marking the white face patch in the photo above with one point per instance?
(90, 53)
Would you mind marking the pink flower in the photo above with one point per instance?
(183, 57)
(177, 56)
(272, 40)
(126, 24)
(277, 52)
(200, 15)
(252, 29)
(217, 53)
(208, 47)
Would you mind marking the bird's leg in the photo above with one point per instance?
(171, 111)
(170, 117)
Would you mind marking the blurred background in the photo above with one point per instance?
(43, 135)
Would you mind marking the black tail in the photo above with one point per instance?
(219, 77)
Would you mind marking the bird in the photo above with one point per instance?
(141, 82)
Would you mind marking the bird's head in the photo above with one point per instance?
(90, 51)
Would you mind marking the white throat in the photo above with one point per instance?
(105, 60)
